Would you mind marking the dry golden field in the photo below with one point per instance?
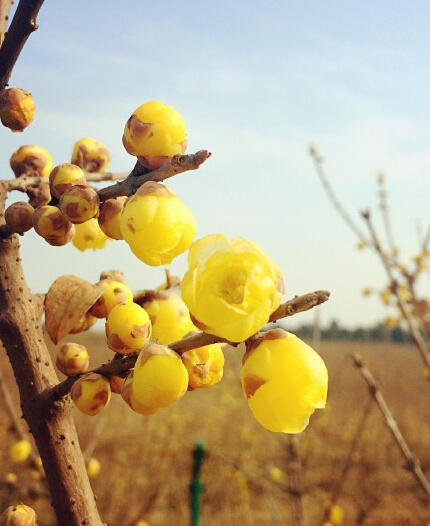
(146, 461)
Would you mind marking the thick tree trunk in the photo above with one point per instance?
(50, 423)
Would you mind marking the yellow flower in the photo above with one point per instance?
(16, 108)
(19, 515)
(361, 245)
(335, 514)
(231, 286)
(367, 291)
(156, 224)
(169, 317)
(128, 328)
(93, 468)
(72, 358)
(114, 293)
(31, 160)
(275, 473)
(89, 235)
(91, 393)
(284, 381)
(20, 451)
(154, 132)
(159, 379)
(90, 155)
(205, 365)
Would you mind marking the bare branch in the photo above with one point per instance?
(5, 6)
(413, 329)
(175, 165)
(318, 163)
(412, 462)
(21, 27)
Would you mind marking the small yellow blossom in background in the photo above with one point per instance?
(142, 523)
(367, 292)
(385, 296)
(10, 478)
(361, 245)
(275, 473)
(390, 322)
(426, 373)
(20, 451)
(93, 468)
(335, 515)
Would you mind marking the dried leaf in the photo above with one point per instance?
(68, 299)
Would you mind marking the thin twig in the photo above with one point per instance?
(412, 462)
(339, 484)
(300, 304)
(383, 205)
(175, 165)
(120, 366)
(95, 436)
(318, 162)
(413, 329)
(22, 26)
(5, 6)
(294, 469)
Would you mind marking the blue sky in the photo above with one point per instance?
(256, 82)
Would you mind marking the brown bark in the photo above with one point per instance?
(50, 423)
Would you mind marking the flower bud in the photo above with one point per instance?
(169, 316)
(114, 293)
(158, 380)
(231, 287)
(93, 468)
(19, 217)
(72, 358)
(20, 451)
(85, 323)
(31, 160)
(128, 328)
(16, 108)
(91, 393)
(63, 177)
(49, 222)
(10, 479)
(154, 133)
(110, 215)
(19, 515)
(116, 275)
(90, 155)
(284, 381)
(205, 365)
(79, 204)
(156, 224)
(89, 235)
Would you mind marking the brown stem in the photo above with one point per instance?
(50, 423)
(21, 27)
(412, 462)
(175, 165)
(5, 6)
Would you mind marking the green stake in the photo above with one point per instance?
(196, 486)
